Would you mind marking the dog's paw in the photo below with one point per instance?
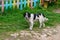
(39, 27)
(30, 29)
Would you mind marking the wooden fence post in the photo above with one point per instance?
(31, 4)
(14, 3)
(2, 5)
(24, 3)
(28, 3)
(35, 3)
(17, 3)
(10, 3)
(40, 2)
(21, 5)
(6, 4)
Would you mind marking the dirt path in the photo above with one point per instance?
(44, 34)
(57, 36)
(56, 10)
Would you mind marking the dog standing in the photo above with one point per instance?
(34, 17)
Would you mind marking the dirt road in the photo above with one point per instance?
(44, 34)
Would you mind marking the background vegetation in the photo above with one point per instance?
(13, 20)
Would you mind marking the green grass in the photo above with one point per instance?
(13, 20)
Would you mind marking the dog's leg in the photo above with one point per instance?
(31, 25)
(40, 25)
(43, 24)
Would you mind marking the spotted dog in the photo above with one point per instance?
(34, 17)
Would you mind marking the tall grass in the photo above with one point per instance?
(13, 20)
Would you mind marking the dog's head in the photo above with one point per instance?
(26, 15)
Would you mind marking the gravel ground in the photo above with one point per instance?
(56, 10)
(44, 34)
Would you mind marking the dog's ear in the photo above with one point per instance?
(28, 14)
(24, 14)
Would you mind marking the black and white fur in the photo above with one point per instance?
(34, 17)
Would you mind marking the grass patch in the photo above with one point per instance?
(13, 20)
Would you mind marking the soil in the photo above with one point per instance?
(44, 34)
(56, 10)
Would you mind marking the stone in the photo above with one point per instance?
(14, 35)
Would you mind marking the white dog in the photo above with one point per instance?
(34, 17)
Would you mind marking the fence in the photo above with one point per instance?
(19, 3)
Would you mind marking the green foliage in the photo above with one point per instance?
(13, 20)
